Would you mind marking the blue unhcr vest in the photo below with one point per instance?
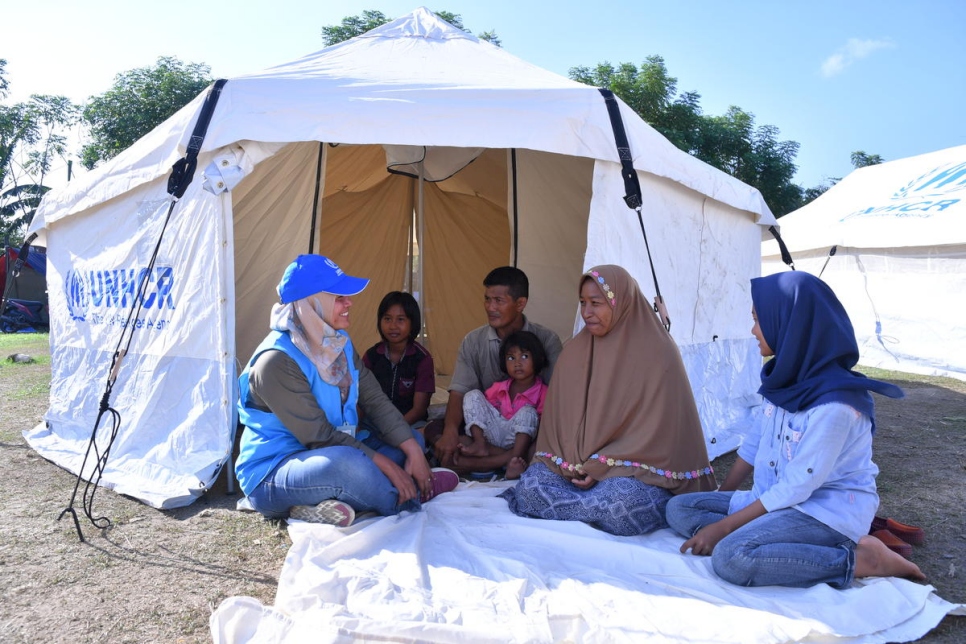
(265, 441)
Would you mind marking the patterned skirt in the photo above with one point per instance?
(619, 505)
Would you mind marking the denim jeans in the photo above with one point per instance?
(366, 434)
(394, 454)
(781, 548)
(338, 472)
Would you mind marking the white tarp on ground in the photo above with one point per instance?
(295, 160)
(466, 569)
(899, 268)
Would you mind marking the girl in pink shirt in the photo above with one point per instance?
(502, 423)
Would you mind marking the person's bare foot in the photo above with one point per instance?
(874, 559)
(474, 449)
(515, 468)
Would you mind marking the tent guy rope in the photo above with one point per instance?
(181, 175)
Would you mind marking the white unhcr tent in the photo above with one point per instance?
(890, 240)
(512, 165)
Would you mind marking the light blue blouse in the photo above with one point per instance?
(818, 461)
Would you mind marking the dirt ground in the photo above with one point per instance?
(156, 576)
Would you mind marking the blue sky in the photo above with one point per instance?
(884, 76)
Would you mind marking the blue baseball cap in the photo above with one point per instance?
(311, 274)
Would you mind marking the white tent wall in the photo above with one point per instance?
(899, 266)
(704, 254)
(906, 305)
(175, 388)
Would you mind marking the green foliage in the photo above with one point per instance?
(17, 207)
(4, 83)
(811, 194)
(30, 141)
(490, 37)
(352, 26)
(860, 159)
(452, 18)
(139, 100)
(731, 142)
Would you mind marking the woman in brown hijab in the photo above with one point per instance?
(620, 432)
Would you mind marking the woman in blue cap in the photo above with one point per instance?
(300, 454)
(805, 521)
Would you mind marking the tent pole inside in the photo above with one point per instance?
(317, 197)
(419, 243)
(514, 230)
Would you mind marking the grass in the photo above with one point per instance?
(23, 386)
(24, 343)
(915, 378)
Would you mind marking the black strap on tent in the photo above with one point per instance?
(182, 172)
(782, 248)
(632, 189)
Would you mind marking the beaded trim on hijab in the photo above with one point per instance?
(607, 289)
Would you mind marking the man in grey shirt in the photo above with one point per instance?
(478, 362)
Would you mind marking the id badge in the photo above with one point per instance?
(348, 429)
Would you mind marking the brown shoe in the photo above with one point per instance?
(894, 543)
(908, 533)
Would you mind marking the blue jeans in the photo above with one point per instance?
(781, 548)
(367, 429)
(338, 472)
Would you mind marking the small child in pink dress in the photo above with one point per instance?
(502, 423)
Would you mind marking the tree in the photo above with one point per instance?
(139, 101)
(4, 83)
(860, 159)
(754, 155)
(30, 141)
(649, 90)
(352, 26)
(811, 194)
(730, 142)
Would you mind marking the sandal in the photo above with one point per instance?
(908, 533)
(894, 543)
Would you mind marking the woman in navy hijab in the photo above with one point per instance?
(806, 519)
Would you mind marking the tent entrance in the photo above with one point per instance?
(440, 238)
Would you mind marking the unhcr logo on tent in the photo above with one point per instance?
(936, 183)
(103, 296)
(925, 196)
